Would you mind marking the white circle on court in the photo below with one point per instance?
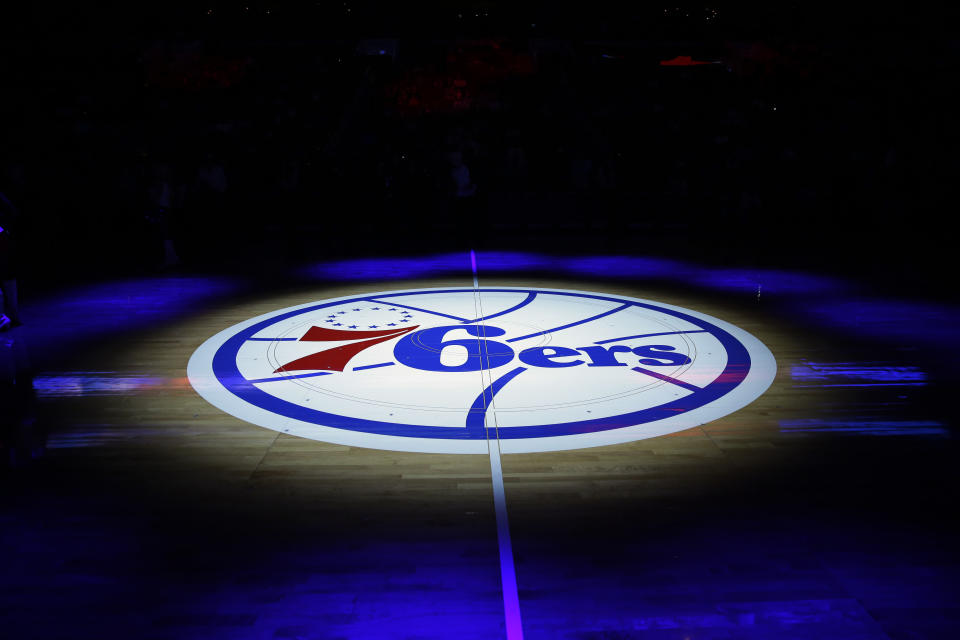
(443, 370)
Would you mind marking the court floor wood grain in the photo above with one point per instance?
(156, 515)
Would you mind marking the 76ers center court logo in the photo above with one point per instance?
(443, 370)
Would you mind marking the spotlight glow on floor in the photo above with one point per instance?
(418, 370)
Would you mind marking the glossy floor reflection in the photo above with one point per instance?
(822, 510)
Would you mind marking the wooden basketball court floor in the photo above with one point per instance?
(153, 514)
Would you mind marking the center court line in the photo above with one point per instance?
(508, 572)
(525, 302)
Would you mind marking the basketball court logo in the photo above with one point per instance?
(443, 370)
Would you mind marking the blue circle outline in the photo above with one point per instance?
(228, 374)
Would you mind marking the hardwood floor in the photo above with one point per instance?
(155, 515)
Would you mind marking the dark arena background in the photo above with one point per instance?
(782, 176)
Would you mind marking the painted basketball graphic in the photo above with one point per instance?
(443, 370)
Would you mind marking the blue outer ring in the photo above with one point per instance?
(227, 373)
